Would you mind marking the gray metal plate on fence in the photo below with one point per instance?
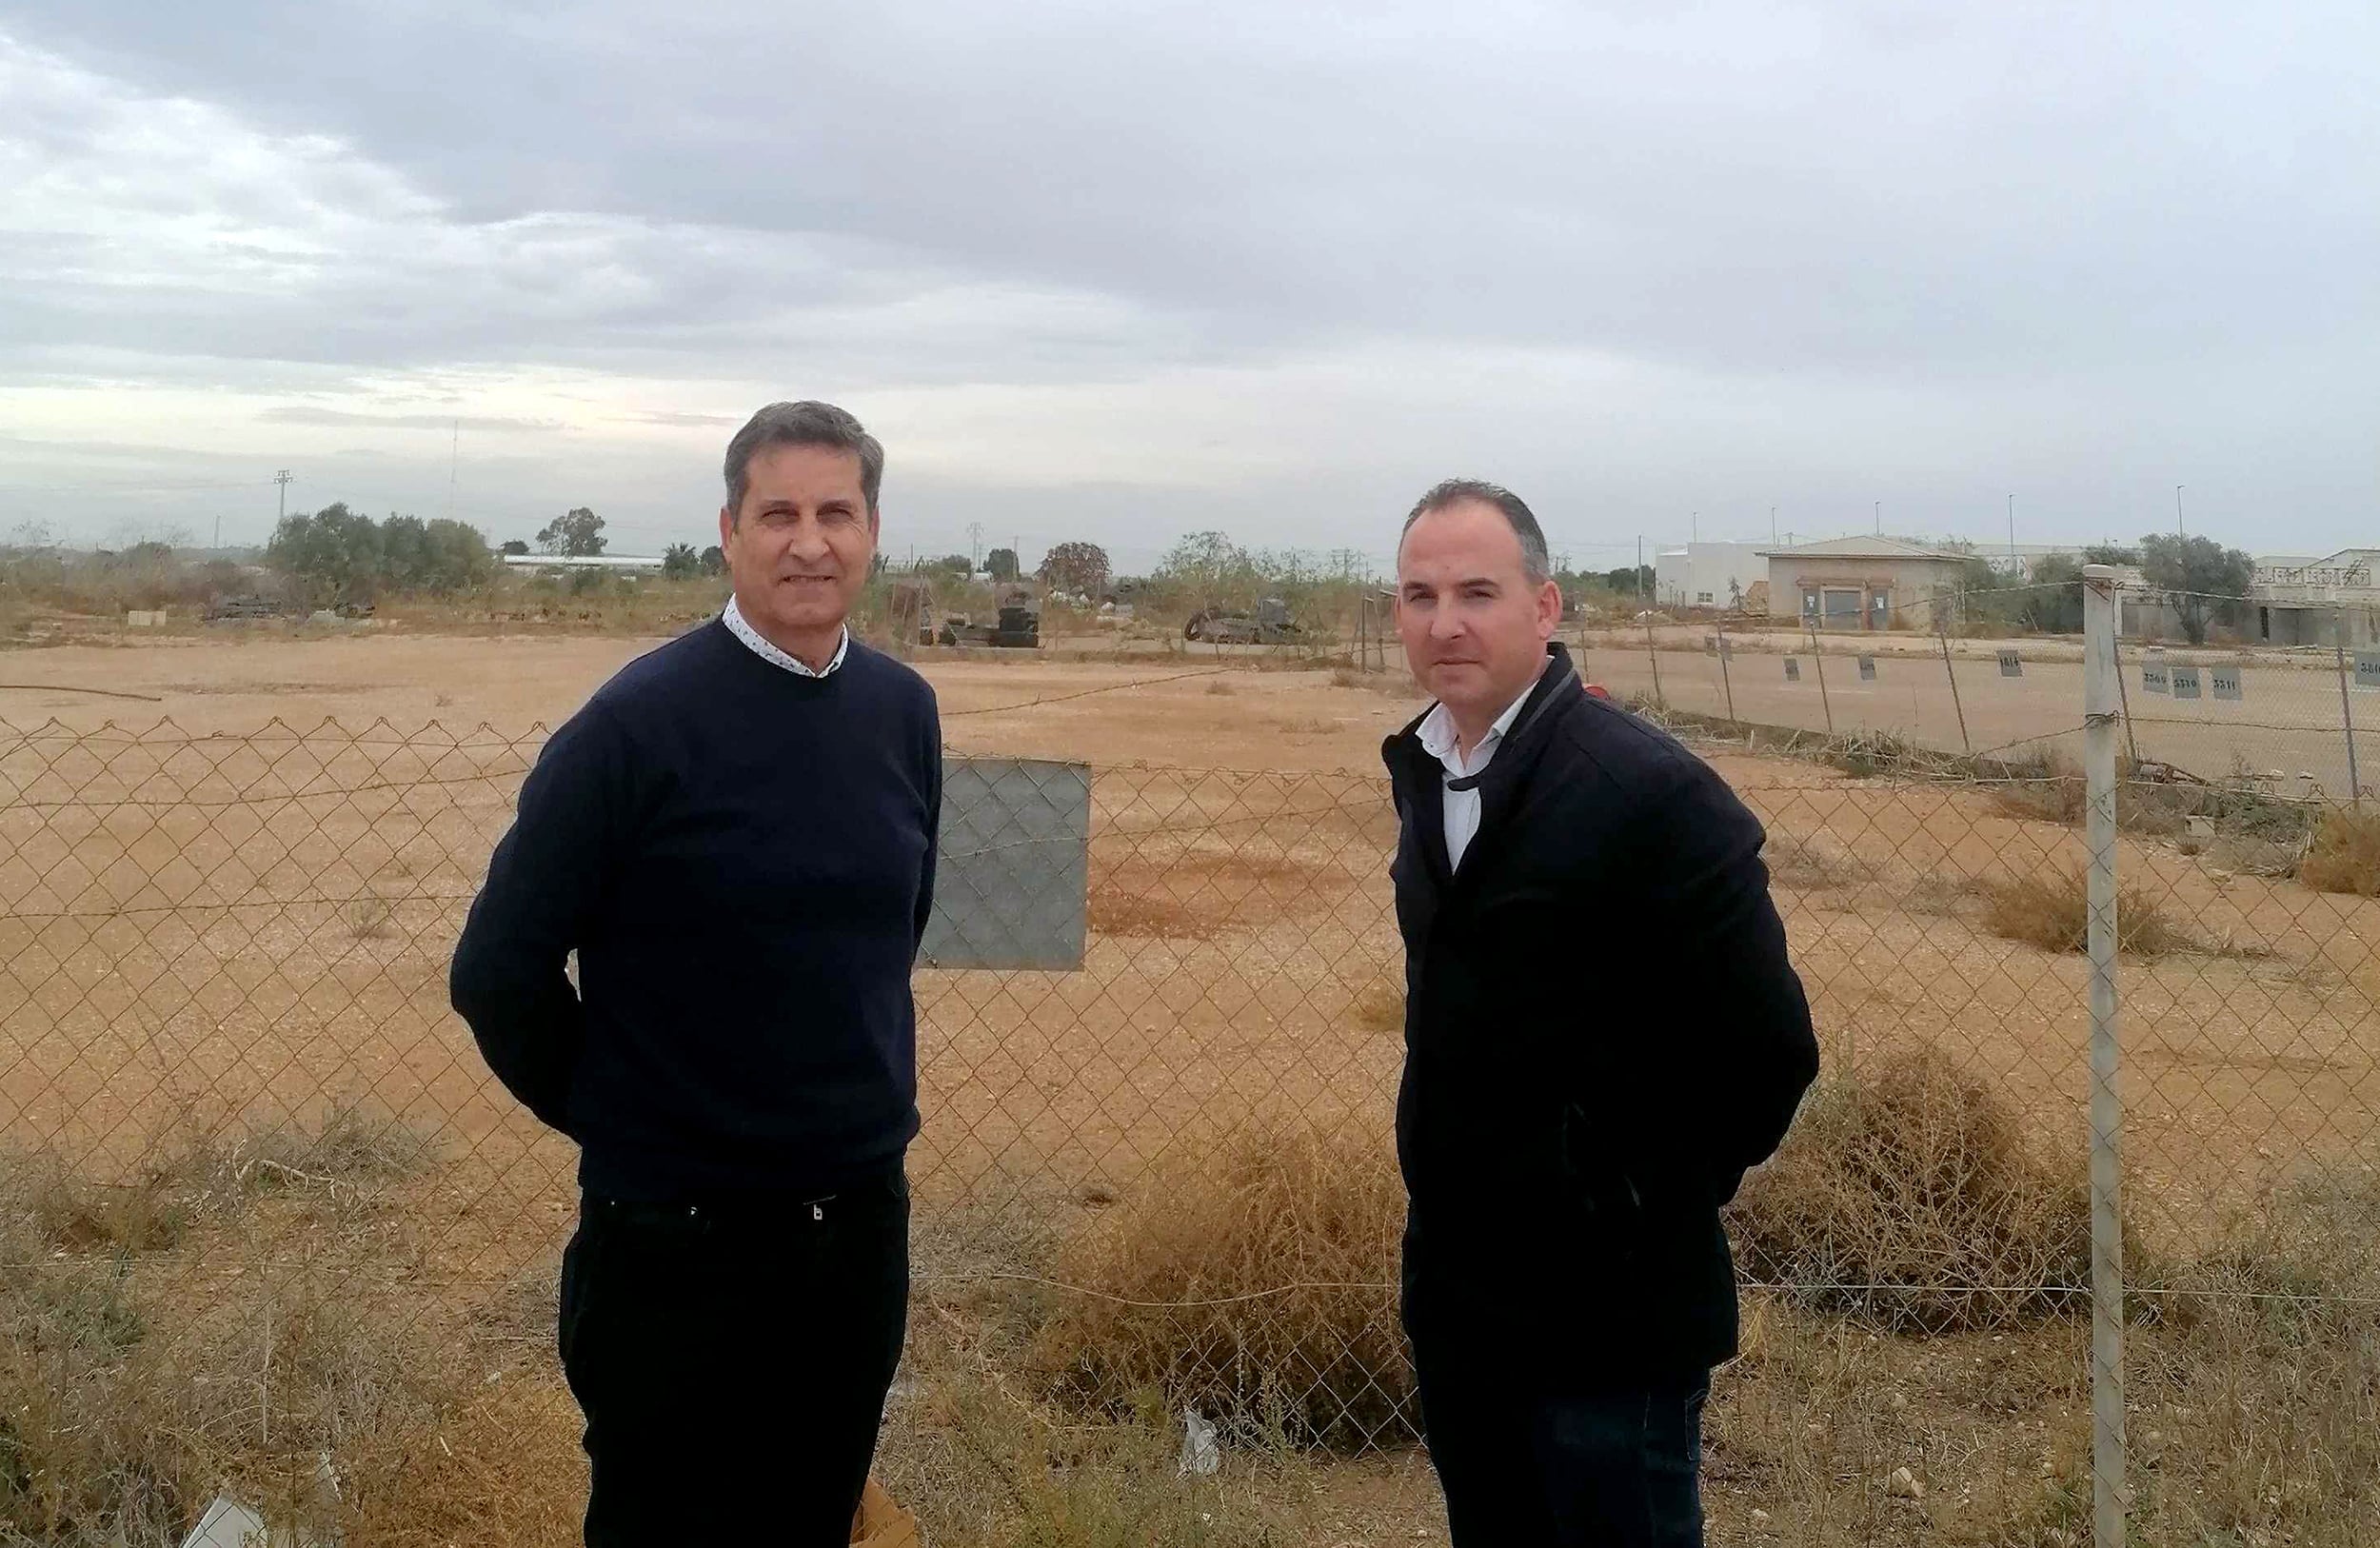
(1867, 668)
(2225, 680)
(1012, 884)
(2154, 679)
(2012, 665)
(2368, 669)
(2186, 683)
(1793, 670)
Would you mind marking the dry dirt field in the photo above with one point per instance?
(201, 925)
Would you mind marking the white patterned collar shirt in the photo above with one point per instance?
(1463, 806)
(742, 628)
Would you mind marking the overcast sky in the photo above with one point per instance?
(1121, 270)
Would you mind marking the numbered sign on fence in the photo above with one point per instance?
(2186, 683)
(1867, 668)
(2225, 680)
(1793, 670)
(2153, 678)
(2012, 665)
(2368, 669)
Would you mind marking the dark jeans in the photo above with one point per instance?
(1612, 1469)
(732, 1362)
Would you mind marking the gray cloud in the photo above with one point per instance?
(1643, 262)
(306, 414)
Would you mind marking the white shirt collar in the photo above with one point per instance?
(1437, 732)
(742, 628)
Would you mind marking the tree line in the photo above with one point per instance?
(339, 557)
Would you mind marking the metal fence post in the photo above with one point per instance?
(1726, 682)
(2100, 699)
(2347, 715)
(1818, 655)
(2123, 694)
(1965, 746)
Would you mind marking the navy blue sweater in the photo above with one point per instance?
(743, 860)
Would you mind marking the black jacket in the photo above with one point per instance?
(1601, 1032)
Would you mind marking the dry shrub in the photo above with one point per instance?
(2344, 855)
(2150, 800)
(1220, 688)
(1809, 864)
(195, 1175)
(1346, 677)
(160, 1349)
(1914, 1198)
(503, 1466)
(2052, 909)
(1246, 1281)
(985, 1465)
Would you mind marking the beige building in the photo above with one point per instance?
(1864, 582)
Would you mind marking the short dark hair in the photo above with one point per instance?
(1535, 563)
(803, 424)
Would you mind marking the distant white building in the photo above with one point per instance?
(619, 561)
(1708, 574)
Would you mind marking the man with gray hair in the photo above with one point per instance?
(736, 836)
(1602, 1033)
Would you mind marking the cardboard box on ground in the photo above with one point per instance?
(881, 1523)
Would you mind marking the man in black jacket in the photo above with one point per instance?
(736, 836)
(1602, 1033)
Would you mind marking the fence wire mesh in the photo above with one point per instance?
(267, 1224)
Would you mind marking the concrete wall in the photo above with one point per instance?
(2277, 624)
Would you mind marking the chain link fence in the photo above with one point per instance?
(267, 1226)
(2301, 721)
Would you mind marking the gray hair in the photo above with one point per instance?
(805, 424)
(1535, 563)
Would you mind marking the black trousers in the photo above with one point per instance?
(1616, 1468)
(732, 1362)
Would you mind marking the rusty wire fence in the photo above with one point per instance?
(269, 1227)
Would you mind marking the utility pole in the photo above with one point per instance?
(1694, 528)
(282, 478)
(2011, 531)
(1880, 518)
(2177, 511)
(454, 452)
(1772, 526)
(1641, 570)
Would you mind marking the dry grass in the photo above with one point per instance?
(1220, 688)
(1809, 864)
(2052, 909)
(1897, 1199)
(1242, 1281)
(2344, 855)
(156, 1352)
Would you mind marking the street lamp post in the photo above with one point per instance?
(2177, 511)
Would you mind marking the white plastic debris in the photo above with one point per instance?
(1200, 1453)
(227, 1524)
